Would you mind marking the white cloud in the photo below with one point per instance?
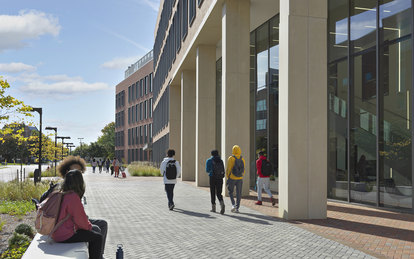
(153, 4)
(16, 67)
(15, 30)
(58, 85)
(120, 63)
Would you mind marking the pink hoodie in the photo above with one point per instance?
(71, 205)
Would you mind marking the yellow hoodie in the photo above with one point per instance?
(230, 163)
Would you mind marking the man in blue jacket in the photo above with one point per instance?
(216, 172)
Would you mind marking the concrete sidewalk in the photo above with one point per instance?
(138, 217)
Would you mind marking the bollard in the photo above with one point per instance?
(24, 174)
(17, 176)
(119, 252)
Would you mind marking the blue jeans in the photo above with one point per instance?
(230, 186)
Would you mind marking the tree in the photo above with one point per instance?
(10, 105)
(107, 140)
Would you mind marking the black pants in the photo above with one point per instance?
(100, 226)
(216, 186)
(169, 189)
(93, 237)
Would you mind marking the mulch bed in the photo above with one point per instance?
(11, 223)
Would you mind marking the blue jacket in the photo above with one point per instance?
(209, 165)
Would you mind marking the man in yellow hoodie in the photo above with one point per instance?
(234, 173)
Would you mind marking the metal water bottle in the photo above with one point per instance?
(120, 252)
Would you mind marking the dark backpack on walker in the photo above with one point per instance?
(218, 168)
(238, 168)
(171, 170)
(266, 168)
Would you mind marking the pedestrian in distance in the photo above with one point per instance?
(170, 170)
(216, 173)
(234, 173)
(100, 164)
(94, 164)
(264, 170)
(116, 164)
(76, 227)
(107, 164)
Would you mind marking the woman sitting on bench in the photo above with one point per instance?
(77, 228)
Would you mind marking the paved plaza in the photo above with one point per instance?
(138, 218)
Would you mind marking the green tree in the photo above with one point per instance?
(107, 140)
(10, 105)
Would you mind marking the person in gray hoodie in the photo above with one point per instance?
(170, 170)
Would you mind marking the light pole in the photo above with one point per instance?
(70, 149)
(39, 110)
(68, 145)
(80, 141)
(55, 129)
(63, 138)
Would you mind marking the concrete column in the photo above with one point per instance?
(303, 109)
(188, 125)
(235, 82)
(205, 110)
(175, 120)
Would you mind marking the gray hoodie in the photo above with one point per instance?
(164, 165)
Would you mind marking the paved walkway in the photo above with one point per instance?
(138, 217)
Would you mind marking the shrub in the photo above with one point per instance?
(18, 240)
(16, 207)
(143, 169)
(25, 230)
(15, 252)
(46, 173)
(15, 191)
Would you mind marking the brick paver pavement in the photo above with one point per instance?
(381, 233)
(138, 217)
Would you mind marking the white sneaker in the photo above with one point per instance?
(233, 209)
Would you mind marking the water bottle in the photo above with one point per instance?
(84, 200)
(119, 252)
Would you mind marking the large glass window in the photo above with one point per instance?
(373, 137)
(396, 81)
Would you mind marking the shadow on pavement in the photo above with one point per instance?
(370, 213)
(365, 228)
(248, 219)
(264, 217)
(194, 214)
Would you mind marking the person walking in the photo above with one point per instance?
(115, 164)
(234, 173)
(170, 170)
(100, 164)
(264, 170)
(216, 172)
(107, 164)
(94, 164)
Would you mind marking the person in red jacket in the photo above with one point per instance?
(262, 181)
(77, 228)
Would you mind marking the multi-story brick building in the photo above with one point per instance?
(133, 112)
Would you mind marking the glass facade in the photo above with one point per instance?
(264, 89)
(369, 102)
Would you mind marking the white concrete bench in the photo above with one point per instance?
(40, 248)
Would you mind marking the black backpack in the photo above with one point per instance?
(218, 168)
(171, 170)
(238, 167)
(267, 169)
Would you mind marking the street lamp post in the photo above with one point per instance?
(39, 110)
(68, 145)
(63, 138)
(80, 141)
(55, 129)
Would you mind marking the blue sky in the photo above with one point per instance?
(68, 56)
